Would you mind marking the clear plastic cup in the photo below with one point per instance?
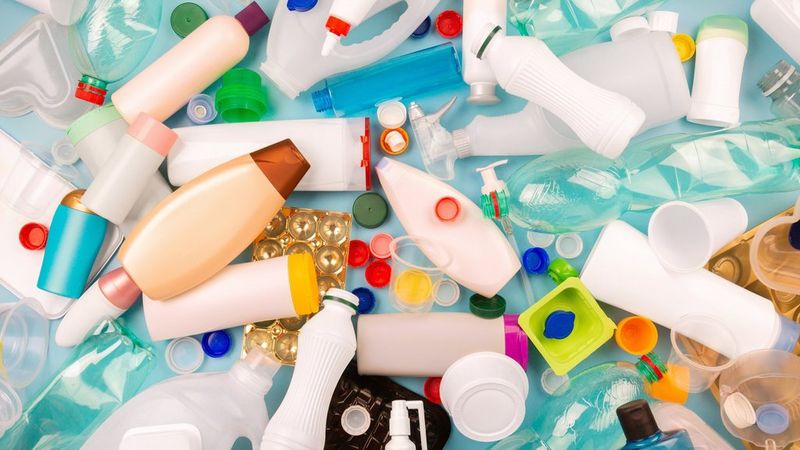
(24, 336)
(700, 345)
(31, 186)
(10, 406)
(416, 279)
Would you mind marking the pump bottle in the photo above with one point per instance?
(400, 426)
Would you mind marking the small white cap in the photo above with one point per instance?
(356, 420)
(739, 410)
(630, 26)
(446, 292)
(483, 94)
(663, 21)
(569, 246)
(538, 239)
(63, 152)
(395, 141)
(552, 382)
(392, 114)
(184, 355)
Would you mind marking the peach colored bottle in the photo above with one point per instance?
(190, 66)
(200, 228)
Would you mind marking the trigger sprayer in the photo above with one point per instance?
(400, 426)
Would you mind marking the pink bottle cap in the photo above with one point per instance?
(447, 209)
(152, 133)
(119, 288)
(516, 340)
(252, 18)
(379, 245)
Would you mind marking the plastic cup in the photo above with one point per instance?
(684, 236)
(24, 336)
(10, 406)
(31, 187)
(415, 280)
(697, 360)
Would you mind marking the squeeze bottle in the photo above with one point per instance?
(190, 66)
(642, 431)
(524, 66)
(781, 20)
(325, 347)
(431, 342)
(161, 254)
(108, 298)
(400, 426)
(244, 293)
(213, 409)
(343, 16)
(478, 74)
(124, 177)
(65, 12)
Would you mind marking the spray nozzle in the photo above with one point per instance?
(494, 195)
(437, 144)
(399, 423)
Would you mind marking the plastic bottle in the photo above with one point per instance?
(325, 347)
(161, 253)
(756, 157)
(781, 20)
(217, 408)
(478, 74)
(410, 75)
(781, 84)
(671, 416)
(524, 66)
(65, 12)
(189, 67)
(642, 431)
(400, 426)
(344, 15)
(565, 25)
(109, 41)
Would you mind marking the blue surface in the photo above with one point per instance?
(763, 53)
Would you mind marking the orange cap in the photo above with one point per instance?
(636, 335)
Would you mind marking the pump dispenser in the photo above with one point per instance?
(400, 426)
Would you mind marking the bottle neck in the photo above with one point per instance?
(651, 368)
(655, 437)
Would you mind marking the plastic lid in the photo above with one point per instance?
(370, 210)
(64, 152)
(685, 46)
(487, 308)
(723, 26)
(777, 77)
(663, 21)
(378, 274)
(552, 382)
(152, 133)
(447, 209)
(482, 93)
(637, 420)
(241, 98)
(394, 142)
(739, 410)
(449, 24)
(91, 121)
(33, 236)
(392, 114)
(543, 240)
(772, 418)
(559, 324)
(186, 17)
(91, 89)
(358, 255)
(559, 271)
(184, 355)
(366, 300)
(356, 420)
(535, 260)
(446, 292)
(216, 344)
(301, 5)
(252, 18)
(431, 389)
(201, 109)
(636, 335)
(422, 29)
(569, 246)
(379, 245)
(629, 26)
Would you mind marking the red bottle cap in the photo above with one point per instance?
(431, 389)
(358, 254)
(89, 93)
(337, 26)
(378, 274)
(448, 209)
(33, 236)
(449, 24)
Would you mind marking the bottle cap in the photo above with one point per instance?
(629, 26)
(152, 133)
(186, 17)
(559, 324)
(341, 296)
(356, 420)
(684, 45)
(216, 343)
(636, 335)
(241, 98)
(559, 271)
(446, 292)
(723, 26)
(535, 260)
(449, 24)
(378, 274)
(772, 418)
(482, 93)
(794, 235)
(447, 209)
(370, 210)
(552, 382)
(392, 114)
(252, 18)
(301, 5)
(366, 300)
(33, 236)
(422, 29)
(92, 90)
(663, 21)
(739, 410)
(63, 152)
(379, 245)
(569, 246)
(91, 121)
(543, 240)
(487, 308)
(637, 420)
(431, 389)
(184, 355)
(777, 77)
(283, 165)
(394, 142)
(358, 254)
(119, 288)
(201, 109)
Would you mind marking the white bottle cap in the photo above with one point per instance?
(569, 246)
(356, 420)
(552, 382)
(395, 141)
(184, 355)
(63, 152)
(446, 292)
(483, 94)
(538, 239)
(630, 26)
(739, 410)
(663, 21)
(392, 114)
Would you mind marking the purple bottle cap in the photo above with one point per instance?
(252, 18)
(516, 340)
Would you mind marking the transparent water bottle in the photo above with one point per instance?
(565, 25)
(109, 41)
(579, 190)
(782, 84)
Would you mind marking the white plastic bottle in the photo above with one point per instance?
(478, 74)
(781, 20)
(344, 15)
(326, 345)
(524, 66)
(400, 426)
(124, 177)
(199, 411)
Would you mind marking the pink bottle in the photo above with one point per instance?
(190, 66)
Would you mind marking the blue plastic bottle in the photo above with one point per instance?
(642, 432)
(410, 75)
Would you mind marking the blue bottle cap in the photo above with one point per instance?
(422, 29)
(772, 418)
(301, 5)
(366, 300)
(794, 235)
(559, 324)
(535, 260)
(216, 343)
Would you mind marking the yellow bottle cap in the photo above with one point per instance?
(303, 283)
(685, 46)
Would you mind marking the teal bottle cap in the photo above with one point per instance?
(723, 26)
(487, 308)
(241, 98)
(370, 210)
(186, 17)
(92, 120)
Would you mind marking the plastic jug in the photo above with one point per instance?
(344, 15)
(578, 190)
(293, 60)
(218, 407)
(781, 20)
(569, 24)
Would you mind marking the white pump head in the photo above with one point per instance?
(400, 425)
(490, 181)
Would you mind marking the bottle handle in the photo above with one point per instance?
(423, 434)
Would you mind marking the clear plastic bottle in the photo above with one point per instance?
(782, 84)
(579, 190)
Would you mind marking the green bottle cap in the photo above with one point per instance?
(370, 210)
(92, 120)
(487, 308)
(560, 270)
(723, 26)
(241, 98)
(186, 17)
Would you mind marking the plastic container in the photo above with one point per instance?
(415, 279)
(412, 75)
(478, 74)
(25, 334)
(781, 20)
(241, 98)
(217, 407)
(65, 12)
(672, 416)
(781, 84)
(642, 431)
(700, 345)
(342, 17)
(431, 342)
(774, 256)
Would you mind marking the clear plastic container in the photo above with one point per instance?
(774, 257)
(25, 335)
(415, 279)
(699, 348)
(782, 84)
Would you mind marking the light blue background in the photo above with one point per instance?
(763, 53)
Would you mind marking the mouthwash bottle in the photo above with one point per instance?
(642, 432)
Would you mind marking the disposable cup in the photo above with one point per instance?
(697, 360)
(24, 336)
(415, 280)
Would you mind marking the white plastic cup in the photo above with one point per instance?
(684, 236)
(696, 361)
(25, 334)
(485, 395)
(416, 281)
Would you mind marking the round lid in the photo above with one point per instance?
(184, 355)
(482, 93)
(629, 26)
(92, 120)
(33, 236)
(559, 324)
(356, 420)
(636, 335)
(91, 89)
(241, 98)
(552, 382)
(447, 209)
(431, 389)
(379, 245)
(392, 114)
(63, 152)
(394, 142)
(422, 29)
(772, 418)
(378, 274)
(569, 246)
(559, 271)
(684, 45)
(366, 300)
(301, 5)
(535, 260)
(739, 410)
(663, 21)
(543, 240)
(487, 308)
(216, 343)
(370, 210)
(446, 292)
(201, 109)
(358, 254)
(448, 24)
(186, 17)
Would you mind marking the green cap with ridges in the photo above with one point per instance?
(723, 26)
(92, 120)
